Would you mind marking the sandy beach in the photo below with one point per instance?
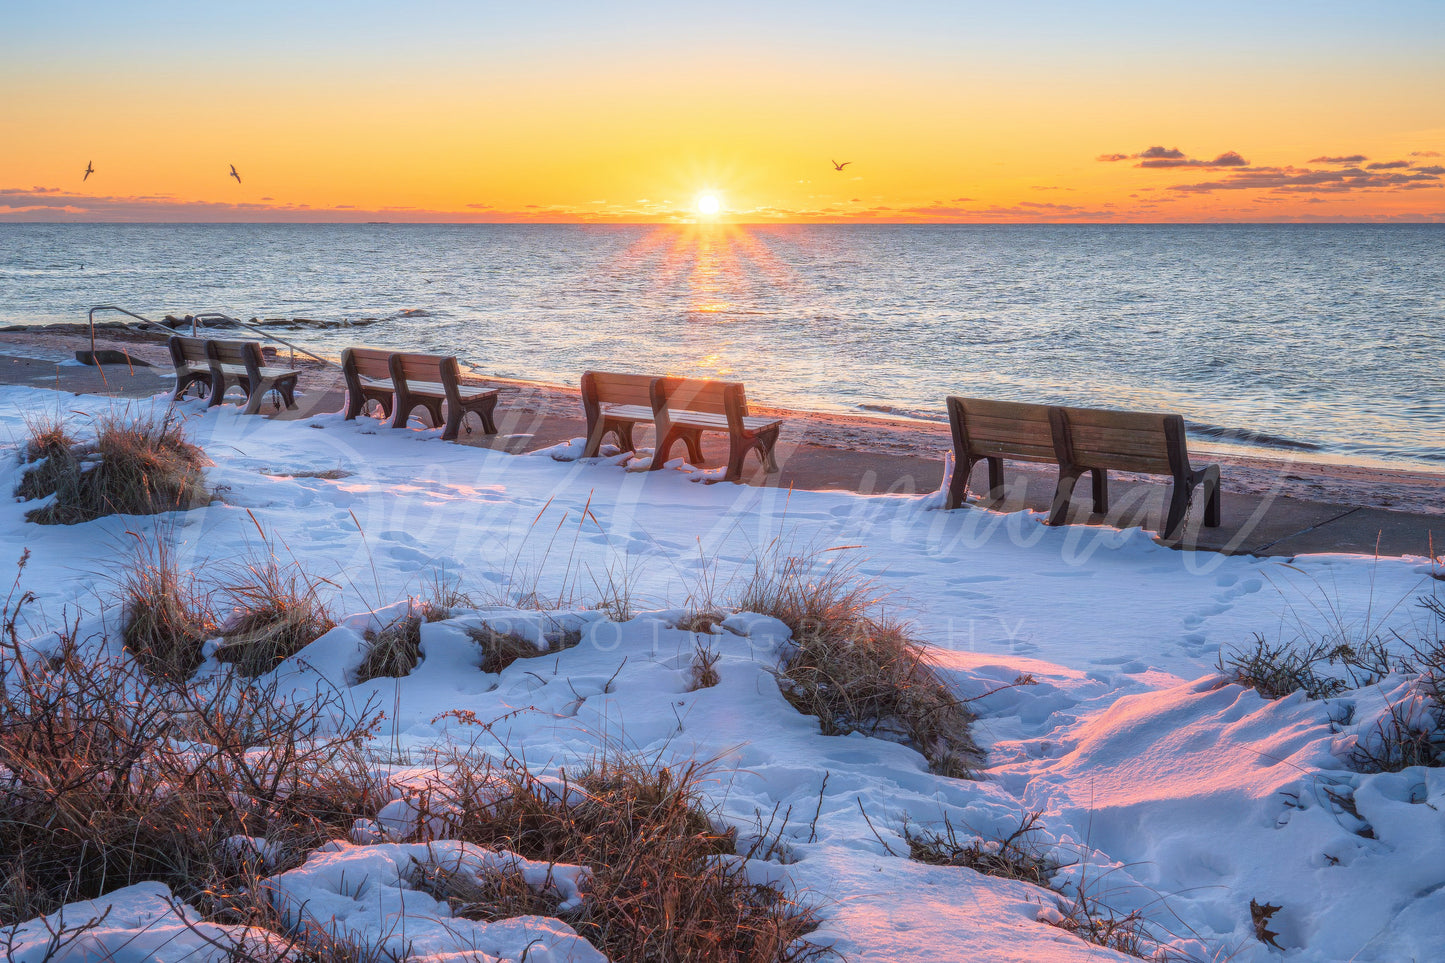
(896, 448)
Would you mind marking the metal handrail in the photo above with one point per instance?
(112, 307)
(205, 315)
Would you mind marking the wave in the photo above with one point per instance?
(1261, 438)
(903, 412)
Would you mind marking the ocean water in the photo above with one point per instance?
(1325, 340)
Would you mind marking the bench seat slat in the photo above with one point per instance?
(627, 412)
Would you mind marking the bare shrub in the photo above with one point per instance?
(115, 776)
(1009, 857)
(703, 672)
(137, 465)
(500, 649)
(663, 887)
(1275, 671)
(278, 612)
(168, 618)
(1409, 734)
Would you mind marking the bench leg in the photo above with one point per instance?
(1063, 493)
(1178, 506)
(623, 431)
(1101, 491)
(692, 440)
(287, 389)
(254, 397)
(1212, 517)
(194, 378)
(354, 404)
(664, 445)
(995, 479)
(958, 484)
(595, 433)
(766, 442)
(484, 411)
(453, 428)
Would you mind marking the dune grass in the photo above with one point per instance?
(136, 464)
(856, 671)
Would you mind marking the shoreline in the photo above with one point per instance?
(1308, 476)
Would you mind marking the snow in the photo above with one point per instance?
(1162, 789)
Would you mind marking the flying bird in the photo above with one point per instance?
(89, 169)
(234, 174)
(838, 167)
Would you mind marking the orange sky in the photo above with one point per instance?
(944, 115)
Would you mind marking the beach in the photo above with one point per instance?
(875, 453)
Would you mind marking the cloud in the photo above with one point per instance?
(1426, 153)
(1386, 165)
(1293, 180)
(1351, 159)
(1228, 159)
(1433, 169)
(1157, 157)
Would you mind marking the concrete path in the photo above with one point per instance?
(1273, 524)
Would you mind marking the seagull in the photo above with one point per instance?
(89, 169)
(234, 174)
(838, 167)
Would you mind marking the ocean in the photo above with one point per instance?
(1320, 340)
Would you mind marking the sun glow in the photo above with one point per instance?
(708, 205)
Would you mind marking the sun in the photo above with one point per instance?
(708, 205)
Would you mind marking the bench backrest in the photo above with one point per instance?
(1002, 429)
(245, 354)
(1139, 441)
(699, 394)
(188, 352)
(613, 388)
(372, 363)
(433, 368)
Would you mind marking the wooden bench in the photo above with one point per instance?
(429, 380)
(684, 408)
(368, 378)
(995, 431)
(614, 403)
(240, 364)
(1078, 440)
(1087, 439)
(192, 364)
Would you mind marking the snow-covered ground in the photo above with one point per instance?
(1161, 789)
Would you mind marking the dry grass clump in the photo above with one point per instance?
(278, 612)
(168, 618)
(115, 776)
(393, 651)
(137, 465)
(1091, 921)
(855, 672)
(500, 649)
(664, 887)
(487, 896)
(703, 674)
(1009, 856)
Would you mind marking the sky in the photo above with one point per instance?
(635, 112)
